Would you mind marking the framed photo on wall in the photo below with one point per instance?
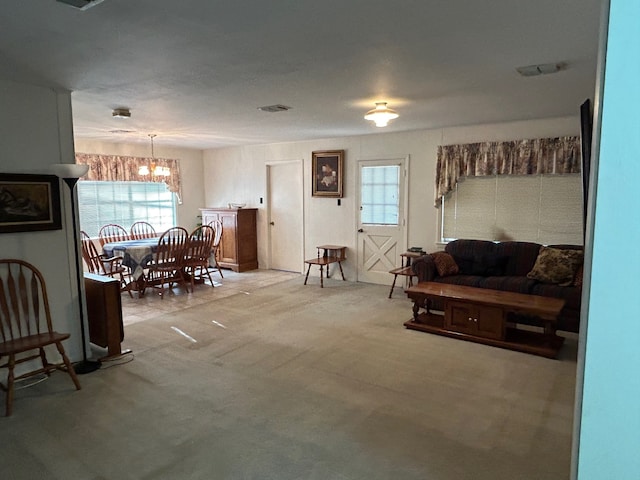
(29, 202)
(327, 171)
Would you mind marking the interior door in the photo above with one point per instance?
(381, 222)
(285, 215)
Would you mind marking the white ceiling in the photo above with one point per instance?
(194, 71)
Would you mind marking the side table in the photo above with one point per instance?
(330, 254)
(405, 269)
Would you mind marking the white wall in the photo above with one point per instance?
(190, 171)
(35, 132)
(237, 174)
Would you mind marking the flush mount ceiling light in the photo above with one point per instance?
(274, 108)
(381, 114)
(81, 4)
(543, 69)
(121, 113)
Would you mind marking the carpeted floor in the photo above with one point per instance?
(264, 378)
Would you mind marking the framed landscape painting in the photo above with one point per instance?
(327, 173)
(29, 202)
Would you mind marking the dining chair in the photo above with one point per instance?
(215, 250)
(101, 264)
(112, 233)
(142, 230)
(26, 327)
(196, 261)
(166, 265)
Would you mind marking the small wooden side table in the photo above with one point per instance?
(330, 254)
(405, 269)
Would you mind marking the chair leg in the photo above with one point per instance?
(9, 402)
(67, 364)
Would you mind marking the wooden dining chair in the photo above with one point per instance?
(26, 327)
(168, 260)
(215, 250)
(112, 233)
(101, 264)
(196, 262)
(142, 230)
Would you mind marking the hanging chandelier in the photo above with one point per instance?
(153, 169)
(381, 114)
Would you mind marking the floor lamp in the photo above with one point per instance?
(70, 173)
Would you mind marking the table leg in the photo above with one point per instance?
(321, 269)
(307, 276)
(395, 277)
(341, 272)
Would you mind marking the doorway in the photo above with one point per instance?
(381, 217)
(285, 215)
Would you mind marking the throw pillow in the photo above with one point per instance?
(555, 265)
(445, 264)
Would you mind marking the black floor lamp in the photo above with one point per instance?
(70, 173)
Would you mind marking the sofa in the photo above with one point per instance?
(524, 267)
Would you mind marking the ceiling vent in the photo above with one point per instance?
(81, 4)
(274, 108)
(543, 69)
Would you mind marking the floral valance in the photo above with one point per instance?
(120, 168)
(519, 157)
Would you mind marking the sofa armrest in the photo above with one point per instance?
(424, 268)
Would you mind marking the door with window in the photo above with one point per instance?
(381, 219)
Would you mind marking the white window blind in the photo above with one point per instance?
(380, 193)
(545, 209)
(124, 203)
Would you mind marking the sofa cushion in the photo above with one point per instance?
(556, 266)
(470, 248)
(488, 264)
(571, 295)
(507, 284)
(522, 257)
(445, 264)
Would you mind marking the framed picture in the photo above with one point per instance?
(29, 202)
(327, 173)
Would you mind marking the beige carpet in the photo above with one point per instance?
(286, 381)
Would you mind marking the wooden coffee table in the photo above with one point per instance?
(482, 315)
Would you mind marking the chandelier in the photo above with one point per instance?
(153, 169)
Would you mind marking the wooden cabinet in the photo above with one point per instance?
(479, 320)
(239, 244)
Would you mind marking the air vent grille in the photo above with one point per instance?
(274, 108)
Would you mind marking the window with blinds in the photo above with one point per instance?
(545, 209)
(379, 195)
(124, 203)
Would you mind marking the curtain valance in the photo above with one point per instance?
(519, 157)
(120, 168)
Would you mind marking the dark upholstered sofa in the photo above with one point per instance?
(504, 266)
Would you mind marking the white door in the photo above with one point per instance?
(381, 218)
(284, 215)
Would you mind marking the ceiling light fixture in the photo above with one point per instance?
(121, 113)
(542, 69)
(153, 169)
(381, 114)
(81, 4)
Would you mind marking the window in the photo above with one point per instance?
(379, 189)
(544, 209)
(124, 203)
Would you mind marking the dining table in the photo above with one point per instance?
(135, 254)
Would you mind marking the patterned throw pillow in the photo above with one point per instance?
(445, 264)
(555, 265)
